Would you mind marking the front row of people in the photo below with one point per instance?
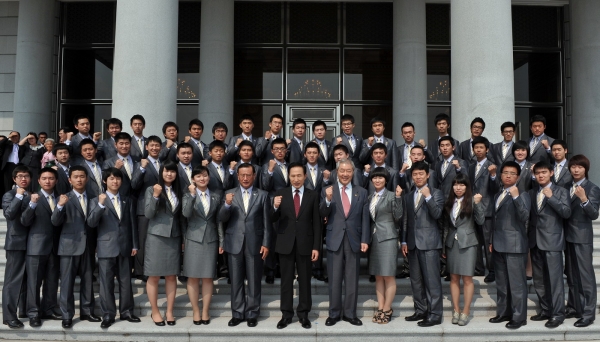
(48, 234)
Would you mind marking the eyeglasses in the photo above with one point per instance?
(23, 177)
(508, 132)
(281, 149)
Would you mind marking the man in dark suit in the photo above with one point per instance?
(520, 152)
(422, 243)
(125, 162)
(509, 240)
(82, 125)
(113, 217)
(562, 176)
(346, 208)
(88, 151)
(408, 134)
(378, 127)
(264, 144)
(539, 144)
(295, 146)
(325, 160)
(196, 128)
(12, 153)
(465, 149)
(15, 246)
(298, 237)
(63, 155)
(449, 167)
(501, 152)
(247, 125)
(138, 141)
(378, 155)
(581, 278)
(352, 142)
(169, 146)
(442, 124)
(246, 214)
(106, 147)
(220, 177)
(330, 177)
(482, 175)
(247, 155)
(549, 208)
(70, 214)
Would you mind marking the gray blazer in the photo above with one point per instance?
(433, 155)
(43, 235)
(215, 184)
(163, 221)
(253, 228)
(444, 182)
(200, 227)
(539, 153)
(72, 240)
(141, 182)
(579, 227)
(496, 154)
(126, 186)
(484, 185)
(546, 226)
(16, 233)
(420, 225)
(62, 183)
(353, 155)
(168, 153)
(392, 153)
(115, 236)
(510, 224)
(233, 152)
(565, 179)
(135, 152)
(388, 216)
(274, 182)
(464, 227)
(92, 188)
(106, 149)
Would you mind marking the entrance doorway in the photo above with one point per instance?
(328, 113)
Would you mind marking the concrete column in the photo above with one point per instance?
(33, 70)
(145, 66)
(585, 78)
(216, 65)
(482, 81)
(410, 68)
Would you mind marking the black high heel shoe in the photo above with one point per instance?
(171, 323)
(205, 321)
(160, 324)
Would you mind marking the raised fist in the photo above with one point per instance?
(272, 164)
(34, 198)
(425, 191)
(289, 141)
(97, 136)
(370, 141)
(456, 164)
(514, 191)
(329, 193)
(192, 189)
(187, 138)
(62, 200)
(101, 198)
(422, 142)
(326, 174)
(205, 162)
(157, 190)
(232, 165)
(69, 135)
(545, 143)
(229, 198)
(477, 198)
(277, 201)
(238, 141)
(367, 168)
(144, 163)
(338, 140)
(579, 192)
(119, 163)
(405, 167)
(169, 143)
(398, 191)
(20, 191)
(268, 135)
(547, 192)
(492, 170)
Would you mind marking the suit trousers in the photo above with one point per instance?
(42, 269)
(425, 282)
(70, 267)
(581, 279)
(484, 235)
(138, 263)
(15, 288)
(272, 260)
(548, 282)
(511, 285)
(343, 265)
(108, 268)
(317, 266)
(245, 266)
(289, 264)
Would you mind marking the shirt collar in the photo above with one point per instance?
(482, 162)
(382, 138)
(449, 159)
(349, 136)
(217, 165)
(509, 143)
(547, 186)
(316, 166)
(78, 194)
(380, 193)
(249, 137)
(581, 181)
(301, 190)
(249, 189)
(522, 164)
(199, 192)
(46, 194)
(194, 140)
(84, 136)
(562, 163)
(91, 164)
(152, 160)
(111, 196)
(411, 145)
(348, 187)
(124, 157)
(298, 140)
(183, 165)
(375, 165)
(279, 163)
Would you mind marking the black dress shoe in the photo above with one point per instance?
(583, 322)
(402, 275)
(234, 322)
(35, 322)
(572, 314)
(553, 323)
(326, 280)
(320, 277)
(353, 321)
(197, 322)
(159, 323)
(14, 323)
(252, 322)
(428, 323)
(540, 317)
(130, 318)
(372, 279)
(182, 279)
(529, 278)
(284, 322)
(415, 317)
(52, 316)
(479, 274)
(22, 315)
(490, 278)
(500, 319)
(107, 323)
(270, 279)
(90, 318)
(331, 321)
(516, 324)
(67, 323)
(305, 323)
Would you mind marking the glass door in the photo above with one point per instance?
(330, 114)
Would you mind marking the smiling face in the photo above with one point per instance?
(459, 189)
(201, 180)
(420, 178)
(297, 177)
(113, 184)
(88, 152)
(378, 183)
(113, 129)
(123, 147)
(169, 176)
(520, 154)
(153, 149)
(345, 173)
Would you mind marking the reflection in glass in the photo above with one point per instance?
(258, 74)
(313, 74)
(261, 115)
(188, 73)
(553, 117)
(537, 76)
(364, 114)
(87, 74)
(368, 74)
(438, 75)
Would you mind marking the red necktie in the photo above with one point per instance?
(297, 202)
(345, 201)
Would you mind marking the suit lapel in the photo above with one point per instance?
(380, 202)
(45, 202)
(238, 199)
(252, 199)
(111, 207)
(75, 198)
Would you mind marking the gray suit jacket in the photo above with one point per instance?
(62, 184)
(433, 151)
(546, 226)
(75, 149)
(106, 149)
(444, 182)
(16, 233)
(496, 154)
(464, 152)
(184, 182)
(392, 154)
(308, 182)
(91, 187)
(168, 153)
(43, 235)
(197, 156)
(136, 153)
(539, 153)
(274, 182)
(141, 182)
(356, 225)
(484, 185)
(464, 227)
(579, 228)
(388, 216)
(163, 221)
(115, 236)
(510, 224)
(74, 226)
(233, 151)
(126, 188)
(420, 226)
(354, 155)
(215, 184)
(565, 180)
(254, 227)
(202, 228)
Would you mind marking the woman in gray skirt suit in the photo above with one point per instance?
(202, 237)
(163, 242)
(386, 210)
(461, 212)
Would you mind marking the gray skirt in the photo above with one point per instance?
(162, 256)
(383, 260)
(200, 259)
(461, 261)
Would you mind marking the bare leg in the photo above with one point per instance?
(380, 290)
(193, 290)
(390, 292)
(455, 291)
(170, 289)
(152, 291)
(207, 291)
(469, 289)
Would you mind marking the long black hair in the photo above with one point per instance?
(466, 208)
(170, 166)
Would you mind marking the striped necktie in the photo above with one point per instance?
(477, 169)
(352, 142)
(171, 198)
(204, 200)
(127, 167)
(313, 175)
(322, 146)
(557, 170)
(444, 168)
(504, 150)
(284, 172)
(456, 210)
(540, 200)
(83, 205)
(418, 199)
(97, 176)
(573, 188)
(246, 198)
(117, 206)
(373, 205)
(51, 203)
(188, 172)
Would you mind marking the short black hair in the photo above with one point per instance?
(169, 124)
(246, 143)
(122, 136)
(299, 121)
(184, 145)
(20, 168)
(407, 124)
(111, 171)
(77, 168)
(559, 142)
(520, 145)
(114, 121)
(79, 117)
(153, 138)
(279, 141)
(196, 122)
(218, 125)
(137, 117)
(380, 172)
(508, 124)
(347, 117)
(87, 141)
(340, 147)
(34, 135)
(511, 163)
(537, 118)
(480, 140)
(246, 117)
(376, 120)
(276, 116)
(48, 169)
(200, 169)
(420, 166)
(311, 144)
(60, 146)
(318, 123)
(379, 146)
(441, 117)
(215, 144)
(542, 164)
(480, 120)
(447, 138)
(245, 165)
(44, 133)
(297, 164)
